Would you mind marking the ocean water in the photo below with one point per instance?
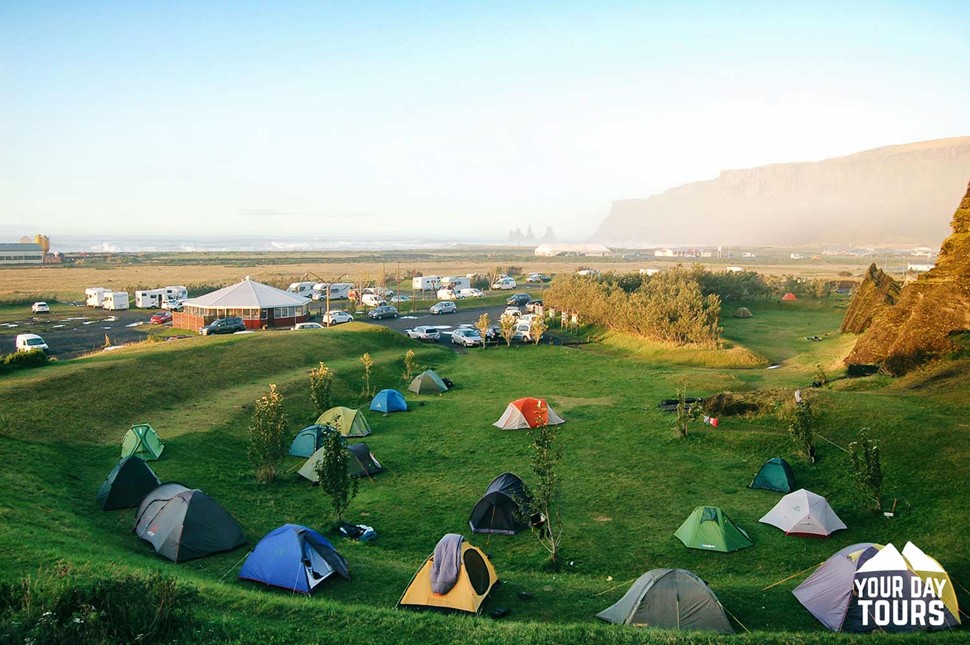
(190, 244)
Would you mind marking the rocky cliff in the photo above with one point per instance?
(900, 194)
(876, 292)
(929, 313)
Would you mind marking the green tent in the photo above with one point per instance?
(142, 441)
(427, 382)
(360, 463)
(127, 484)
(775, 475)
(348, 422)
(308, 440)
(669, 599)
(742, 312)
(710, 529)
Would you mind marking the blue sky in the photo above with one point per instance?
(449, 119)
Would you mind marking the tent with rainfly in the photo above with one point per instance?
(804, 513)
(127, 484)
(388, 401)
(788, 297)
(142, 441)
(360, 463)
(308, 440)
(832, 592)
(709, 528)
(669, 599)
(462, 574)
(742, 312)
(528, 413)
(295, 558)
(182, 523)
(774, 475)
(498, 511)
(427, 382)
(347, 421)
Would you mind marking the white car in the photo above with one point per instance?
(504, 283)
(466, 337)
(173, 305)
(307, 325)
(28, 342)
(373, 300)
(522, 333)
(430, 334)
(512, 311)
(470, 293)
(447, 294)
(40, 308)
(336, 317)
(444, 307)
(401, 298)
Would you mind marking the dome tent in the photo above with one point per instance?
(427, 382)
(774, 475)
(348, 422)
(388, 401)
(308, 440)
(804, 513)
(710, 529)
(669, 599)
(463, 578)
(142, 441)
(789, 297)
(295, 558)
(360, 463)
(528, 413)
(742, 312)
(127, 484)
(498, 510)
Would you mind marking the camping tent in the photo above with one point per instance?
(388, 401)
(774, 475)
(348, 422)
(427, 382)
(127, 484)
(498, 509)
(709, 528)
(789, 297)
(360, 463)
(832, 592)
(293, 557)
(472, 577)
(669, 599)
(308, 440)
(183, 524)
(742, 312)
(142, 441)
(804, 513)
(528, 413)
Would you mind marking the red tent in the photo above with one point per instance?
(528, 413)
(789, 296)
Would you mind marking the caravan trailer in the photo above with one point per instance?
(94, 296)
(338, 290)
(456, 283)
(115, 300)
(149, 298)
(426, 283)
(304, 289)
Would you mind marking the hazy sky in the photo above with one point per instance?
(448, 119)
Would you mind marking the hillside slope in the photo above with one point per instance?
(897, 194)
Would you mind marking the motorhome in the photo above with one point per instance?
(115, 300)
(94, 296)
(304, 289)
(426, 283)
(338, 290)
(150, 298)
(176, 292)
(456, 283)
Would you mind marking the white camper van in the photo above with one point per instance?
(176, 292)
(304, 289)
(426, 283)
(115, 300)
(94, 296)
(149, 298)
(338, 290)
(456, 283)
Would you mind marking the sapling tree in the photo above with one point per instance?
(867, 468)
(537, 328)
(268, 436)
(685, 413)
(800, 427)
(335, 480)
(321, 387)
(368, 363)
(506, 325)
(410, 366)
(484, 322)
(543, 502)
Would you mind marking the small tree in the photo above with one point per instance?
(410, 366)
(867, 468)
(543, 504)
(818, 376)
(484, 322)
(335, 480)
(368, 363)
(537, 328)
(686, 412)
(506, 325)
(321, 387)
(268, 436)
(800, 423)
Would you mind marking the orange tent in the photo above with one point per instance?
(789, 296)
(528, 413)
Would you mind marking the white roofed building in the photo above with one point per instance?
(258, 304)
(553, 249)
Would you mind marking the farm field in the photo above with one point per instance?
(628, 481)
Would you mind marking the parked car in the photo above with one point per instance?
(425, 333)
(40, 308)
(173, 305)
(519, 299)
(336, 317)
(527, 318)
(446, 307)
(161, 318)
(28, 342)
(384, 311)
(504, 283)
(523, 332)
(307, 325)
(401, 298)
(533, 306)
(536, 278)
(446, 294)
(493, 333)
(512, 311)
(223, 326)
(373, 300)
(470, 293)
(466, 337)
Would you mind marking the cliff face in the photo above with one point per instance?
(928, 312)
(876, 292)
(899, 194)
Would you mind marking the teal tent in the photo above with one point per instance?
(775, 475)
(308, 440)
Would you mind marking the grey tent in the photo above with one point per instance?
(427, 382)
(497, 510)
(127, 484)
(669, 599)
(742, 312)
(360, 462)
(182, 523)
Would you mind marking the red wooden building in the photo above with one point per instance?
(258, 304)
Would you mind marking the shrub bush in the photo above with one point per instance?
(17, 360)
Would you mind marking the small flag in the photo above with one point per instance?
(711, 420)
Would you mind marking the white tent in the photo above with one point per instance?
(804, 513)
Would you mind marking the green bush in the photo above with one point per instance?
(17, 360)
(85, 604)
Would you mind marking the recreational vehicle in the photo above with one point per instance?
(115, 300)
(338, 290)
(176, 292)
(94, 296)
(426, 283)
(149, 298)
(304, 289)
(456, 283)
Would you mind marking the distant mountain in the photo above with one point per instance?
(899, 194)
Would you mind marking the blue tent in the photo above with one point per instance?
(293, 557)
(308, 440)
(389, 401)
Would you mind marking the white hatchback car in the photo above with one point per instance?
(336, 317)
(426, 333)
(466, 337)
(40, 308)
(307, 325)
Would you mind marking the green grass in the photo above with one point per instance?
(628, 483)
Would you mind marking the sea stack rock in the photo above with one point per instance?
(876, 292)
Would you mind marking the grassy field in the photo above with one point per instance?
(628, 482)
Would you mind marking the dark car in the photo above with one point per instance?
(384, 311)
(518, 299)
(493, 333)
(161, 318)
(223, 326)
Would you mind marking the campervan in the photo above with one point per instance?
(94, 296)
(176, 292)
(470, 293)
(149, 298)
(115, 300)
(446, 294)
(304, 289)
(504, 283)
(426, 283)
(338, 290)
(455, 283)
